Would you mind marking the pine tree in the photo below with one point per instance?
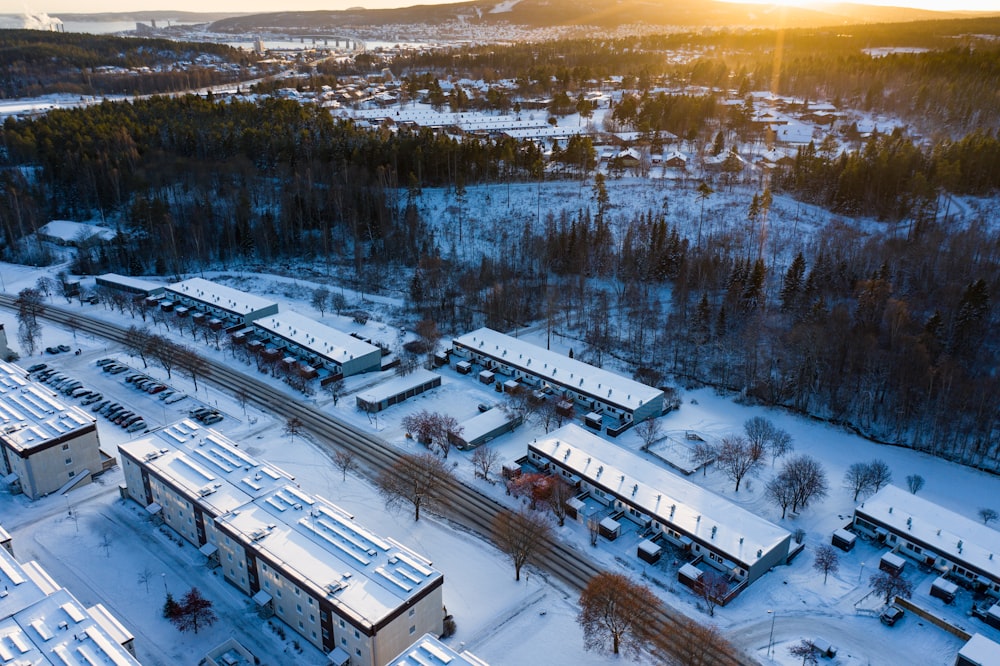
(791, 288)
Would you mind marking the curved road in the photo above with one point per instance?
(465, 504)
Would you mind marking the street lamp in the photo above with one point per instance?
(770, 639)
(164, 577)
(861, 571)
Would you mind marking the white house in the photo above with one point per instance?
(319, 344)
(220, 301)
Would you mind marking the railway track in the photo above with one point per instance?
(465, 505)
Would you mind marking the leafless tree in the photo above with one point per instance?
(807, 478)
(987, 515)
(415, 480)
(145, 577)
(320, 298)
(556, 492)
(711, 587)
(445, 428)
(616, 615)
(649, 431)
(193, 611)
(139, 341)
(703, 454)
(522, 535)
(737, 457)
(781, 491)
(336, 390)
(879, 474)
(915, 483)
(421, 425)
(165, 353)
(826, 561)
(344, 461)
(779, 445)
(856, 478)
(693, 644)
(105, 544)
(758, 431)
(293, 427)
(483, 460)
(593, 529)
(807, 651)
(192, 363)
(891, 585)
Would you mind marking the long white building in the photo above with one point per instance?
(926, 532)
(358, 597)
(45, 444)
(220, 301)
(593, 388)
(728, 537)
(42, 623)
(319, 344)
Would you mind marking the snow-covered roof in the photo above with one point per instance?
(545, 132)
(429, 651)
(206, 465)
(485, 423)
(22, 590)
(981, 651)
(131, 283)
(318, 544)
(67, 231)
(397, 385)
(945, 532)
(794, 133)
(31, 415)
(322, 340)
(727, 527)
(556, 368)
(220, 296)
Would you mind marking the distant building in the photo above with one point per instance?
(965, 550)
(723, 535)
(130, 285)
(43, 623)
(358, 597)
(320, 345)
(45, 445)
(226, 303)
(429, 651)
(397, 389)
(74, 234)
(594, 389)
(484, 427)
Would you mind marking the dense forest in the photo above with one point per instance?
(34, 63)
(886, 333)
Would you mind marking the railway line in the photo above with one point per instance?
(465, 505)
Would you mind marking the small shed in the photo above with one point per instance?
(610, 528)
(824, 647)
(594, 420)
(891, 563)
(690, 575)
(979, 651)
(944, 589)
(511, 385)
(463, 367)
(844, 540)
(649, 551)
(487, 377)
(511, 469)
(564, 408)
(574, 508)
(993, 616)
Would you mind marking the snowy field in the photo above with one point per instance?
(502, 621)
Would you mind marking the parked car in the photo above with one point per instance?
(155, 388)
(101, 404)
(137, 426)
(51, 350)
(891, 615)
(80, 392)
(126, 422)
(212, 418)
(94, 397)
(104, 361)
(198, 412)
(121, 418)
(63, 348)
(176, 397)
(117, 370)
(38, 367)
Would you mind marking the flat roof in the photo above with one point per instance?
(729, 528)
(429, 651)
(317, 543)
(604, 385)
(220, 296)
(941, 530)
(32, 414)
(397, 385)
(21, 588)
(66, 230)
(208, 467)
(981, 651)
(137, 284)
(322, 340)
(485, 423)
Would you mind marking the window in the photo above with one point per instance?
(72, 474)
(281, 610)
(357, 651)
(413, 628)
(69, 461)
(343, 641)
(357, 634)
(413, 611)
(298, 607)
(300, 625)
(298, 591)
(65, 447)
(312, 618)
(341, 623)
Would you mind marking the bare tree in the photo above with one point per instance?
(779, 445)
(555, 493)
(781, 491)
(649, 431)
(145, 577)
(415, 480)
(193, 611)
(138, 342)
(344, 461)
(522, 535)
(987, 515)
(421, 425)
(711, 587)
(445, 428)
(807, 651)
(483, 460)
(165, 352)
(693, 644)
(915, 483)
(593, 528)
(320, 297)
(336, 390)
(758, 431)
(293, 427)
(105, 544)
(856, 478)
(891, 585)
(807, 478)
(737, 457)
(703, 454)
(879, 474)
(826, 561)
(616, 615)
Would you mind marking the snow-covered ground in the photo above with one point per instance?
(501, 621)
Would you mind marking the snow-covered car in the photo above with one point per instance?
(137, 426)
(176, 397)
(891, 615)
(38, 367)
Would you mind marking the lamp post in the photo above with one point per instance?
(770, 639)
(861, 572)
(164, 577)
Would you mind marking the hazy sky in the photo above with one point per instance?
(259, 6)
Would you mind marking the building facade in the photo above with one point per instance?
(228, 304)
(358, 597)
(45, 444)
(963, 549)
(319, 345)
(728, 537)
(592, 388)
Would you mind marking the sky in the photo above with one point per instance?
(262, 6)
